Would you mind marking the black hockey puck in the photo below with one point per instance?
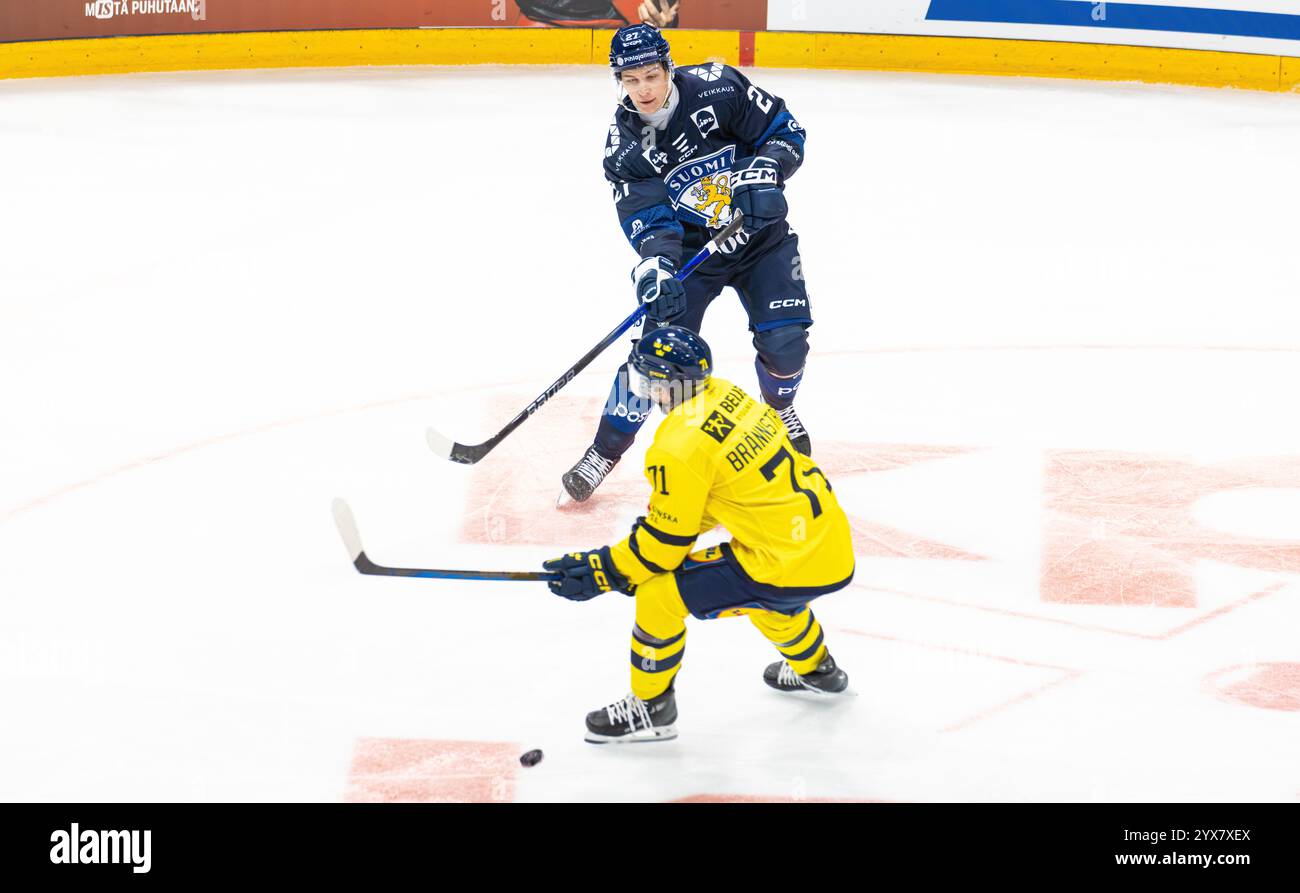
(532, 758)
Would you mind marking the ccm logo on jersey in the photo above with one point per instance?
(788, 302)
(684, 149)
(706, 119)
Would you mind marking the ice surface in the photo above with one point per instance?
(1053, 381)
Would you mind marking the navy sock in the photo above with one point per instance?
(778, 392)
(623, 417)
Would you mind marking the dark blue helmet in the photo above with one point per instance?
(638, 45)
(672, 354)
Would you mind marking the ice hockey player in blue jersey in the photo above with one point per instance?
(685, 148)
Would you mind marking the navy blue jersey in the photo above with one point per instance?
(672, 186)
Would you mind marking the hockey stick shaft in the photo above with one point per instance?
(347, 526)
(468, 454)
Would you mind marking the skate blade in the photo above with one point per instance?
(816, 695)
(641, 736)
(565, 501)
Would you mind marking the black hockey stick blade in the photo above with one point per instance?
(347, 526)
(469, 454)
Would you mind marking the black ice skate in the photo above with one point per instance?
(826, 680)
(581, 480)
(794, 427)
(633, 720)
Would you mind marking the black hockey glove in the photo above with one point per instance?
(658, 287)
(756, 192)
(586, 575)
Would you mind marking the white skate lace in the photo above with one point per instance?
(629, 710)
(593, 467)
(787, 676)
(792, 423)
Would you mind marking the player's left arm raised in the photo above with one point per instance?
(761, 120)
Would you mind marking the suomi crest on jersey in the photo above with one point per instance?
(702, 188)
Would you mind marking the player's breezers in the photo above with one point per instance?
(685, 149)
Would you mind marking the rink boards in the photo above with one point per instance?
(990, 55)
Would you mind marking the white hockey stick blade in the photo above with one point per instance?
(439, 444)
(347, 526)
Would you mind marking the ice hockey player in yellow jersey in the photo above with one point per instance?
(719, 457)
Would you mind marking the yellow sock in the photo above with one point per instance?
(797, 638)
(659, 636)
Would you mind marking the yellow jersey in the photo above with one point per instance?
(723, 457)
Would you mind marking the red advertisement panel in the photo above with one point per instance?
(52, 19)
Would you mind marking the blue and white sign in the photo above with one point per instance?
(1247, 26)
(1134, 16)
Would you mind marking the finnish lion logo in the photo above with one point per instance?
(712, 197)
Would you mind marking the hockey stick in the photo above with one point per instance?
(347, 526)
(468, 454)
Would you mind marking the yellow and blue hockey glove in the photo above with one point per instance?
(586, 575)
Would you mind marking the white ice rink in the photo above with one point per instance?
(1053, 379)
